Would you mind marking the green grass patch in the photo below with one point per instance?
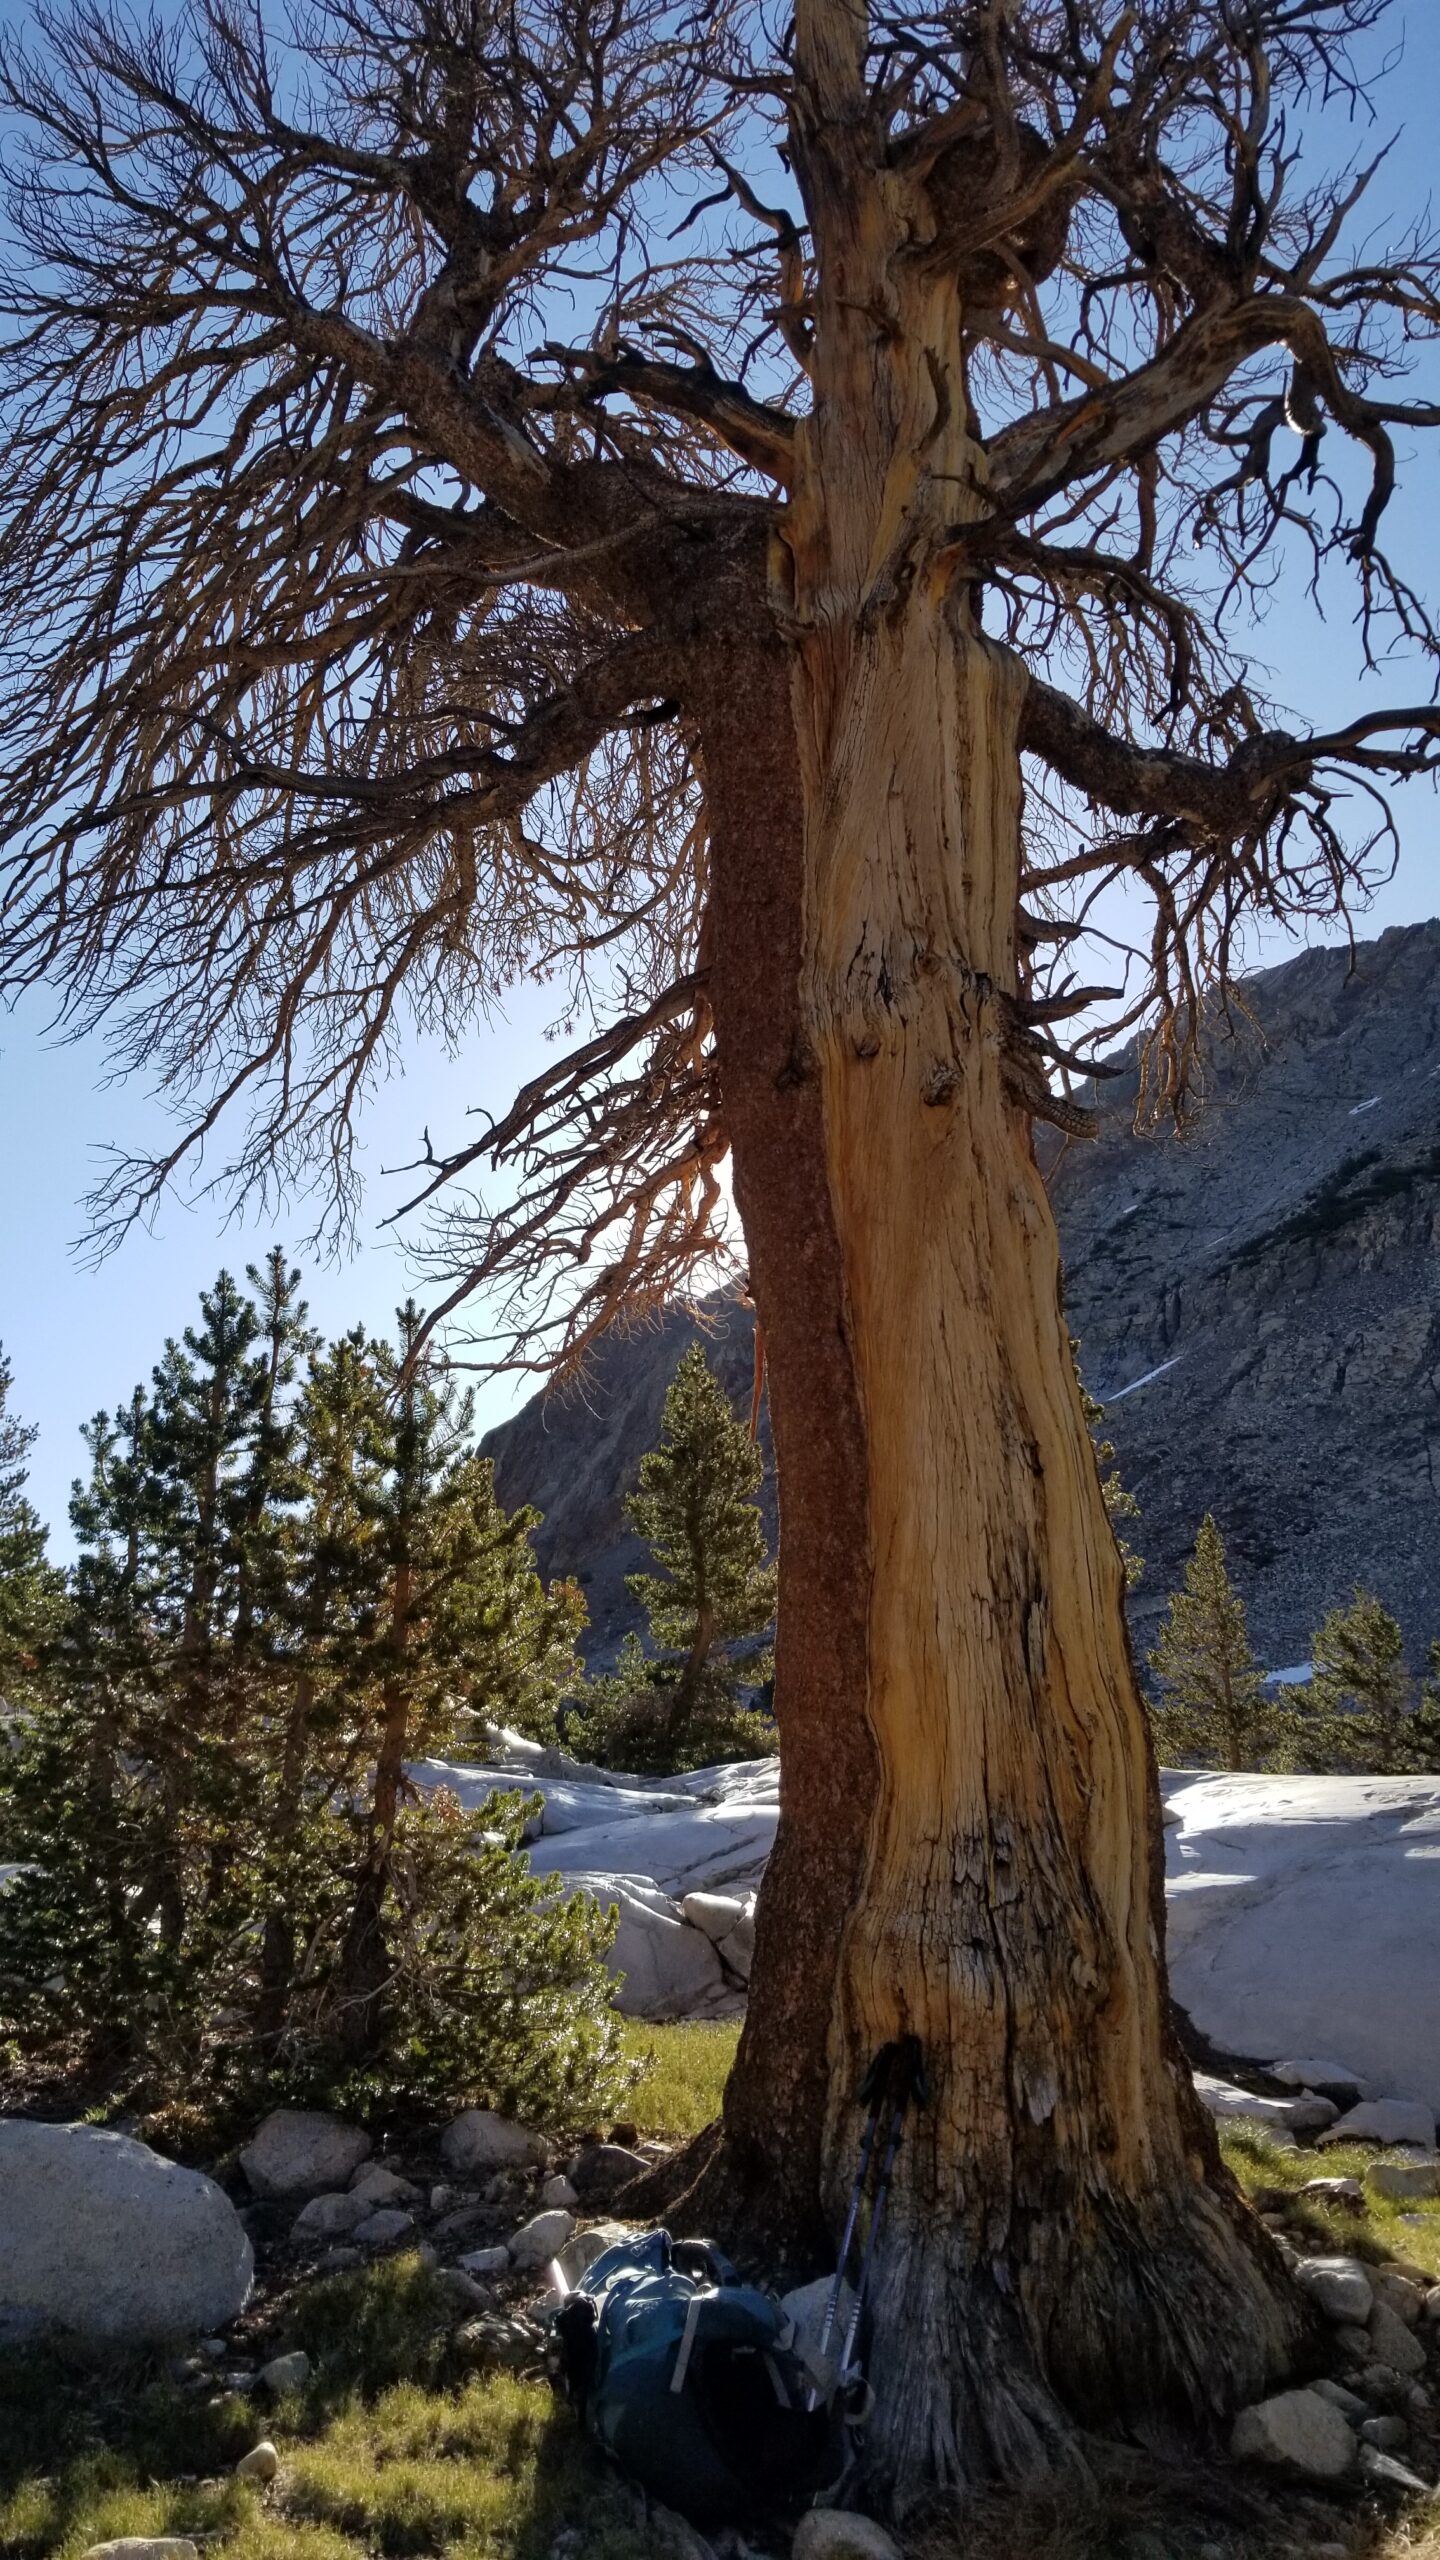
(683, 2074)
(1375, 2229)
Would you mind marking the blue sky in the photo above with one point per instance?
(79, 1337)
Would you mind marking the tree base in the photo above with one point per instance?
(1142, 2333)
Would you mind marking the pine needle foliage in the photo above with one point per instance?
(30, 1588)
(1120, 1503)
(714, 1592)
(1213, 1705)
(293, 1570)
(1359, 1711)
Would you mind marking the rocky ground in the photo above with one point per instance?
(377, 2394)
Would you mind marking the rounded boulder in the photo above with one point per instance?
(103, 2239)
(300, 2152)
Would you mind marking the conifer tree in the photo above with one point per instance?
(30, 1589)
(1213, 1705)
(283, 1590)
(1120, 1503)
(715, 1590)
(1359, 1710)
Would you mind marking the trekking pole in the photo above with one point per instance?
(906, 2073)
(873, 2087)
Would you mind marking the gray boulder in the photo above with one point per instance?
(1287, 2115)
(329, 2217)
(1404, 2181)
(101, 2237)
(668, 1968)
(829, 2534)
(1327, 2079)
(600, 2171)
(479, 2140)
(1298, 2430)
(1393, 2343)
(1386, 2120)
(716, 1913)
(382, 2229)
(297, 2152)
(1340, 2286)
(537, 2240)
(143, 2546)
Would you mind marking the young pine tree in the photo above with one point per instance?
(1213, 1705)
(1359, 1710)
(714, 1591)
(31, 1590)
(233, 1888)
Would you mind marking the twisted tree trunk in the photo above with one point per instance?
(969, 1845)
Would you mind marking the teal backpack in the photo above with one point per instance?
(682, 2374)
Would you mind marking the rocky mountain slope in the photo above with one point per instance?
(1258, 1304)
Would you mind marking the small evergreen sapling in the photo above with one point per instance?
(1213, 1705)
(1359, 1710)
(714, 1591)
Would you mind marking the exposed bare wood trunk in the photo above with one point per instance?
(969, 1844)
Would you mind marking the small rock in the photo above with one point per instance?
(442, 2198)
(558, 2191)
(537, 2240)
(340, 2259)
(1387, 2432)
(826, 2533)
(143, 2546)
(1403, 2296)
(426, 2257)
(493, 2340)
(381, 2230)
(459, 2224)
(298, 2152)
(328, 2218)
(464, 2295)
(1354, 2341)
(1349, 2403)
(1327, 2079)
(1402, 2180)
(1387, 2473)
(212, 2346)
(382, 2186)
(480, 2140)
(285, 2373)
(600, 2172)
(1391, 2342)
(1418, 2400)
(586, 2246)
(1382, 2385)
(260, 2463)
(1297, 2429)
(1340, 2286)
(486, 2262)
(1334, 2190)
(1432, 2303)
(1385, 2120)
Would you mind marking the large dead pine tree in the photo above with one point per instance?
(738, 516)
